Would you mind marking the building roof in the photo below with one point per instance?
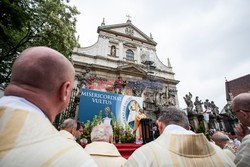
(237, 86)
(128, 29)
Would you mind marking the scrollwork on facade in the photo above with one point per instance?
(138, 88)
(82, 78)
(149, 97)
(114, 41)
(129, 30)
(119, 85)
(103, 36)
(171, 97)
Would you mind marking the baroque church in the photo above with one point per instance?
(124, 61)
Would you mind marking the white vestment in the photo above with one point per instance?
(105, 154)
(27, 138)
(179, 147)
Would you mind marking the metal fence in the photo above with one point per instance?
(70, 111)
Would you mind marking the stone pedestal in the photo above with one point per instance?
(193, 121)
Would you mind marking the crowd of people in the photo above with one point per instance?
(41, 83)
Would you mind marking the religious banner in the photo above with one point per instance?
(123, 107)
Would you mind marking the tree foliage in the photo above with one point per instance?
(26, 23)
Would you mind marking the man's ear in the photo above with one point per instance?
(245, 114)
(111, 139)
(161, 126)
(65, 90)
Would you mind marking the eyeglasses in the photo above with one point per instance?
(234, 113)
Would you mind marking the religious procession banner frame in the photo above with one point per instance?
(123, 107)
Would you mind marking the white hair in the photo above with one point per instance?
(101, 132)
(69, 123)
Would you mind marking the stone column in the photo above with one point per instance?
(121, 51)
(138, 54)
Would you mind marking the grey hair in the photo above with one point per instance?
(101, 132)
(69, 123)
(173, 115)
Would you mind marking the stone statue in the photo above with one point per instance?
(171, 97)
(138, 89)
(113, 51)
(149, 97)
(137, 92)
(228, 110)
(161, 99)
(214, 108)
(157, 97)
(207, 105)
(189, 102)
(82, 79)
(119, 85)
(198, 105)
(166, 98)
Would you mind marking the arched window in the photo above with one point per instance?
(130, 54)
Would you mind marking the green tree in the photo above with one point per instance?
(26, 23)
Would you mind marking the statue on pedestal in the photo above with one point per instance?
(198, 105)
(189, 102)
(113, 51)
(214, 108)
(228, 110)
(171, 97)
(207, 105)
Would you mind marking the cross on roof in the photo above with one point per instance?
(128, 16)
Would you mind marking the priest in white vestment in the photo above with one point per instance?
(102, 150)
(177, 146)
(39, 89)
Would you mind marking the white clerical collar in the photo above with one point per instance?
(176, 129)
(20, 103)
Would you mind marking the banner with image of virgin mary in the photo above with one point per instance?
(123, 107)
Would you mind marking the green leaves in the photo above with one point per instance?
(120, 134)
(26, 23)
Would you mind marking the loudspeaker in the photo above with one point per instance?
(147, 130)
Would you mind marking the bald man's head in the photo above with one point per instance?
(220, 139)
(241, 102)
(42, 68)
(241, 108)
(44, 77)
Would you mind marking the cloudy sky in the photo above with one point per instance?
(205, 41)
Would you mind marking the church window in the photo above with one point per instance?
(130, 54)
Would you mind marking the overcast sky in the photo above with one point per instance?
(205, 41)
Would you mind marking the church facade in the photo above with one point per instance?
(124, 61)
